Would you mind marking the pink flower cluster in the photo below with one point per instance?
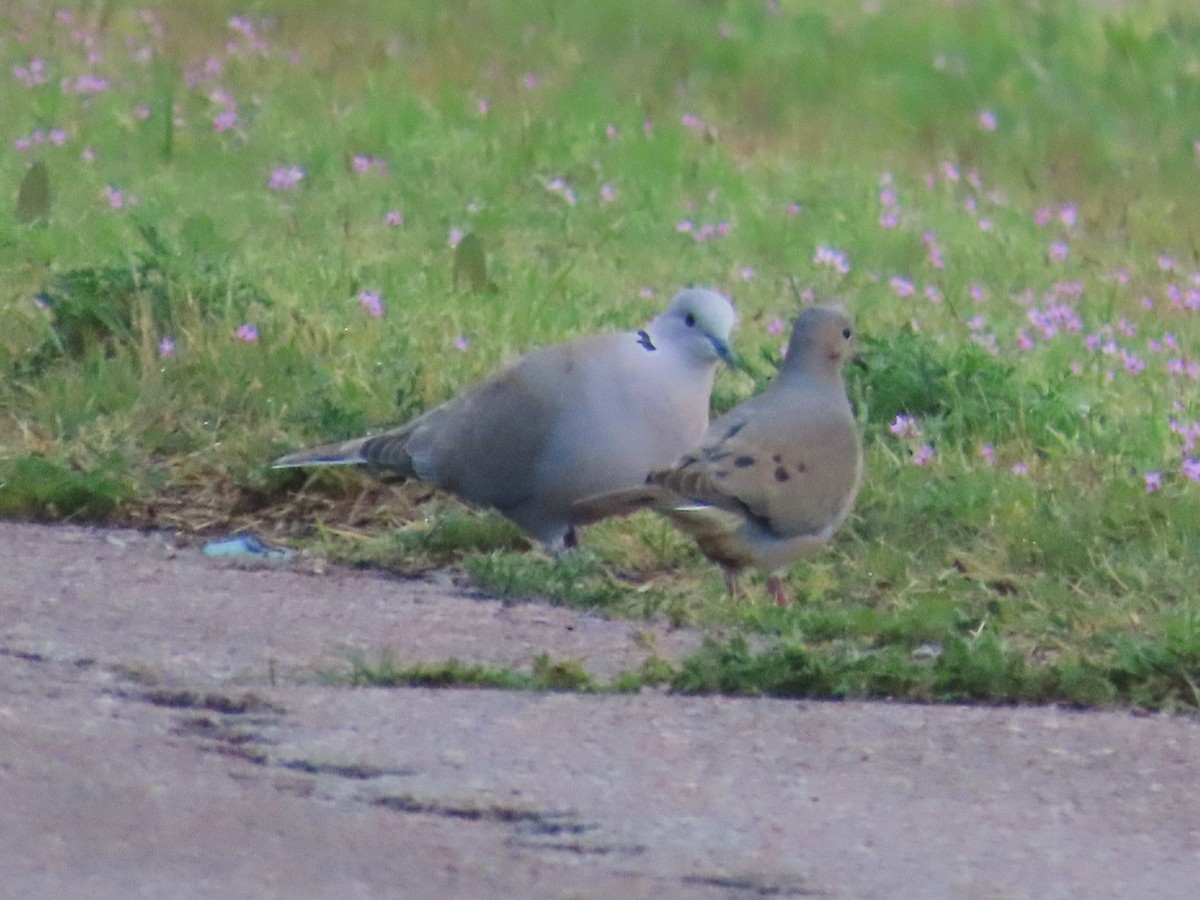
(116, 199)
(702, 233)
(1184, 298)
(889, 207)
(249, 34)
(227, 115)
(372, 303)
(834, 259)
(698, 126)
(1066, 213)
(85, 84)
(286, 178)
(364, 165)
(909, 430)
(933, 252)
(905, 427)
(560, 188)
(54, 136)
(31, 75)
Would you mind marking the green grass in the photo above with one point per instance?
(959, 579)
(546, 674)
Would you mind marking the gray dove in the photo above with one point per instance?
(564, 422)
(773, 478)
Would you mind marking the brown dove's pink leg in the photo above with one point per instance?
(775, 586)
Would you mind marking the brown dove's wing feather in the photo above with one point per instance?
(779, 458)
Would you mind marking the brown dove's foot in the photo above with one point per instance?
(775, 586)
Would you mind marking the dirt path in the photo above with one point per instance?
(164, 732)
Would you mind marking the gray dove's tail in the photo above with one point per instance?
(620, 502)
(342, 453)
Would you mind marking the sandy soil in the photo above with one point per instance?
(165, 731)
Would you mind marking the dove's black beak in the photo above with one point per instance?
(726, 353)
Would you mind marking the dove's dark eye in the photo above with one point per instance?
(846, 333)
(689, 320)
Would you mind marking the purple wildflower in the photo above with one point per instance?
(905, 427)
(33, 74)
(286, 178)
(933, 252)
(902, 286)
(248, 333)
(1133, 364)
(564, 190)
(86, 84)
(835, 259)
(372, 303)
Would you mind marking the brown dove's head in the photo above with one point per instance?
(823, 340)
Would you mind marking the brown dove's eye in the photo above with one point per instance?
(846, 333)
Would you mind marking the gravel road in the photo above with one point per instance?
(167, 729)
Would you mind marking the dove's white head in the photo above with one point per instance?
(698, 324)
(823, 340)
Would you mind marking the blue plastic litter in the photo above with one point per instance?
(247, 546)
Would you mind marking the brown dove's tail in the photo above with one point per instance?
(621, 502)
